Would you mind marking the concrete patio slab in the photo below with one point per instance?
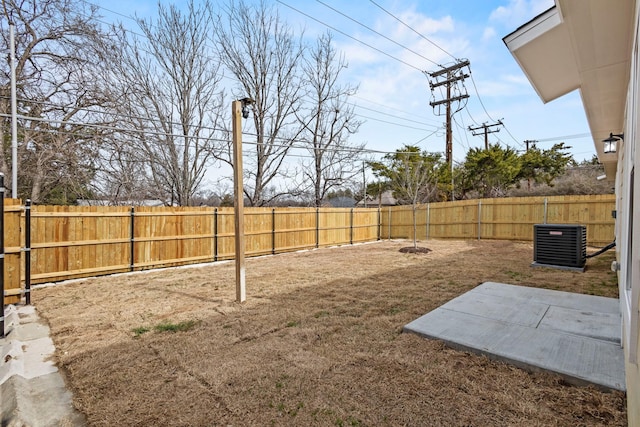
(573, 335)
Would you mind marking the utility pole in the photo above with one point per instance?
(533, 144)
(486, 130)
(451, 75)
(364, 186)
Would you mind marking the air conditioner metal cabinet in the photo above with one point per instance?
(560, 245)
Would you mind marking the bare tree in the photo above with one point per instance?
(328, 120)
(172, 103)
(122, 173)
(58, 62)
(258, 48)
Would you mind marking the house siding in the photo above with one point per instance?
(628, 234)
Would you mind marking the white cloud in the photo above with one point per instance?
(517, 12)
(505, 86)
(488, 34)
(421, 23)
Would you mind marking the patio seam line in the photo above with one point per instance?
(532, 297)
(527, 326)
(542, 317)
(481, 317)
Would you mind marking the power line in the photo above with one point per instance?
(471, 117)
(404, 47)
(193, 137)
(229, 78)
(349, 36)
(512, 137)
(322, 23)
(377, 32)
(392, 123)
(422, 139)
(475, 87)
(391, 115)
(557, 138)
(478, 95)
(409, 27)
(129, 116)
(389, 108)
(463, 130)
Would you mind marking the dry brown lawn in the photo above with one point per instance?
(319, 342)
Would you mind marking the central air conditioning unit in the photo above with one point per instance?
(560, 245)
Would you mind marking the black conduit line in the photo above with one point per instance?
(131, 235)
(27, 250)
(215, 234)
(603, 250)
(2, 253)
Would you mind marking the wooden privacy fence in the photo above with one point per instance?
(13, 242)
(64, 242)
(71, 242)
(502, 219)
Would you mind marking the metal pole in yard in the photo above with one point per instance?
(132, 214)
(27, 252)
(215, 234)
(545, 211)
(14, 115)
(379, 223)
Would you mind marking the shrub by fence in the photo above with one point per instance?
(71, 242)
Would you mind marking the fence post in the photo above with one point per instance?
(215, 234)
(428, 219)
(131, 235)
(379, 223)
(273, 231)
(2, 253)
(351, 227)
(317, 227)
(389, 222)
(479, 219)
(27, 252)
(544, 219)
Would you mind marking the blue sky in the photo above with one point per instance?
(393, 97)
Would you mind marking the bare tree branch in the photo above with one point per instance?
(171, 89)
(57, 47)
(328, 121)
(258, 48)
